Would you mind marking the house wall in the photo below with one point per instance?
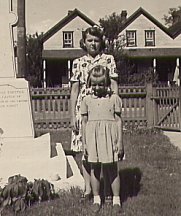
(162, 40)
(77, 25)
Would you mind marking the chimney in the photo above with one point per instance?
(123, 16)
(176, 15)
(69, 12)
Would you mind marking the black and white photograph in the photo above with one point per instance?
(90, 108)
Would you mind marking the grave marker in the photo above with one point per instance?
(20, 152)
(15, 106)
(15, 109)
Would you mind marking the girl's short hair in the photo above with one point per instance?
(99, 71)
(95, 31)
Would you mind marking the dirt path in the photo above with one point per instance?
(175, 138)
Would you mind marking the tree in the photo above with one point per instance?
(34, 48)
(169, 18)
(111, 25)
(114, 44)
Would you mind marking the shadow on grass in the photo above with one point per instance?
(130, 177)
(130, 182)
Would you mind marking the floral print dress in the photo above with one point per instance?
(80, 72)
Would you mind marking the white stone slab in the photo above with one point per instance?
(7, 60)
(14, 149)
(31, 158)
(16, 119)
(76, 180)
(63, 165)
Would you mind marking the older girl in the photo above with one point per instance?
(93, 44)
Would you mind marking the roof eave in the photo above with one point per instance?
(141, 11)
(65, 21)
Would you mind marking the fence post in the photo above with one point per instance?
(179, 107)
(149, 105)
(155, 107)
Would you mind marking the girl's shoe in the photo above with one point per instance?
(86, 197)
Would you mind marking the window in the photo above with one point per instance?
(68, 39)
(131, 38)
(149, 37)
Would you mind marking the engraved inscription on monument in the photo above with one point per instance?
(15, 110)
(10, 99)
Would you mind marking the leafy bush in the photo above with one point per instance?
(135, 131)
(143, 77)
(19, 193)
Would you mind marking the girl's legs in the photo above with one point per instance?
(95, 182)
(76, 145)
(113, 173)
(107, 185)
(86, 171)
(116, 190)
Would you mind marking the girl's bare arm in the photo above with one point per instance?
(84, 122)
(73, 100)
(114, 86)
(120, 146)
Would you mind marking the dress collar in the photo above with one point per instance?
(96, 58)
(95, 97)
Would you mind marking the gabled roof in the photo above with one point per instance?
(175, 30)
(141, 11)
(71, 15)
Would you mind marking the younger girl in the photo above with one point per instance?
(102, 133)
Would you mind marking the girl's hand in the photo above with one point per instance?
(85, 154)
(121, 154)
(74, 125)
(120, 151)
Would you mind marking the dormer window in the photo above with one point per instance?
(131, 38)
(68, 39)
(149, 37)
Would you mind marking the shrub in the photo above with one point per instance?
(19, 193)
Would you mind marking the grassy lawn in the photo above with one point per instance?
(150, 180)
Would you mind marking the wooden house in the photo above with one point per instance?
(149, 44)
(61, 46)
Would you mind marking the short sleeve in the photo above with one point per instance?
(75, 71)
(111, 64)
(117, 104)
(84, 108)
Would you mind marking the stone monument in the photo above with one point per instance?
(20, 152)
(15, 106)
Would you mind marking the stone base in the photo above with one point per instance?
(31, 159)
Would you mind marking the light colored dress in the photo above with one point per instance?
(101, 128)
(80, 69)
